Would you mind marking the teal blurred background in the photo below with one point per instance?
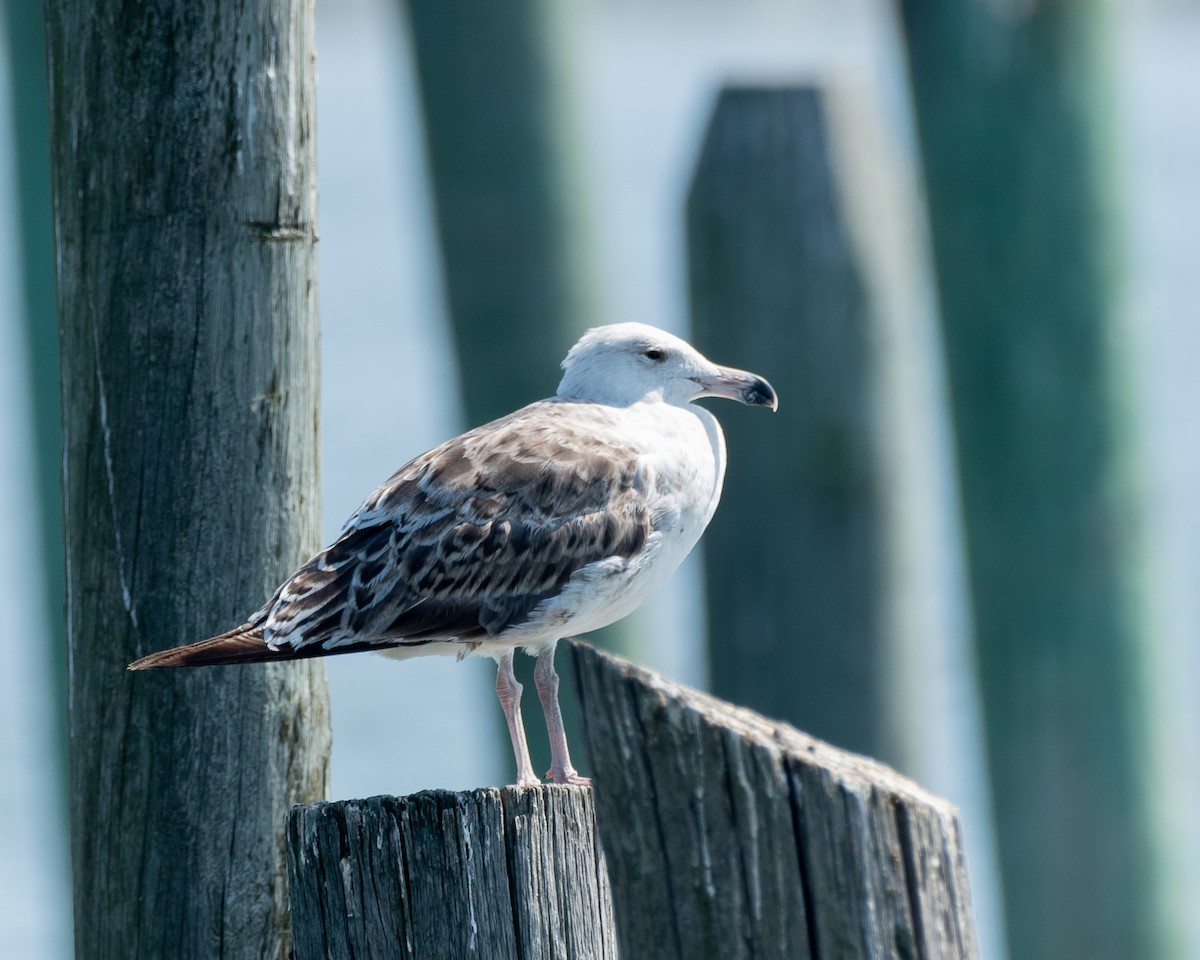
(619, 96)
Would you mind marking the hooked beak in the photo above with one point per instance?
(747, 388)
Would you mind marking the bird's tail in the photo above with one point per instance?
(244, 644)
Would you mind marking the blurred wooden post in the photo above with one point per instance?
(730, 835)
(511, 213)
(513, 873)
(492, 81)
(775, 286)
(1012, 103)
(24, 26)
(184, 213)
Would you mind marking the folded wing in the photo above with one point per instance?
(462, 543)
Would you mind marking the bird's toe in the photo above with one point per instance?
(568, 778)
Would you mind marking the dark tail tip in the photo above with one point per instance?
(243, 645)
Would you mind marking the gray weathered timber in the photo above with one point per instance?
(1014, 116)
(730, 835)
(503, 873)
(184, 213)
(774, 274)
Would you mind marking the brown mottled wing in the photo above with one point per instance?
(466, 540)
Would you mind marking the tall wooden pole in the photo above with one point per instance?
(1010, 102)
(796, 631)
(808, 247)
(510, 213)
(24, 25)
(184, 213)
(492, 79)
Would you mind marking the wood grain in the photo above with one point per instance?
(730, 835)
(183, 161)
(492, 873)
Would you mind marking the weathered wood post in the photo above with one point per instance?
(184, 215)
(724, 835)
(730, 835)
(1012, 104)
(505, 873)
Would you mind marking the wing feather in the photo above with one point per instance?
(466, 540)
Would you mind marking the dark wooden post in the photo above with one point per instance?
(511, 214)
(184, 213)
(492, 84)
(1011, 102)
(505, 873)
(774, 281)
(730, 835)
(24, 25)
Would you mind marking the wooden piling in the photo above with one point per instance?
(724, 835)
(730, 835)
(775, 282)
(1014, 121)
(512, 872)
(183, 165)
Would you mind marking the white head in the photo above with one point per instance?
(625, 363)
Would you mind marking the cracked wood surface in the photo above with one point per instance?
(491, 873)
(730, 835)
(183, 161)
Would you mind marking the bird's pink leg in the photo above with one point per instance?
(546, 680)
(508, 689)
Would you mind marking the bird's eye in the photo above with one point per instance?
(658, 356)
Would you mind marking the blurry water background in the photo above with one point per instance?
(646, 76)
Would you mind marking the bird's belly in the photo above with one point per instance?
(602, 596)
(611, 589)
(682, 471)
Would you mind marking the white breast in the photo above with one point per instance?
(686, 471)
(683, 465)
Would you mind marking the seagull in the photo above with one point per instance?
(555, 520)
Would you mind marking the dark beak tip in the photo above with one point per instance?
(762, 394)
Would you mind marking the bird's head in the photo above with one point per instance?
(628, 362)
